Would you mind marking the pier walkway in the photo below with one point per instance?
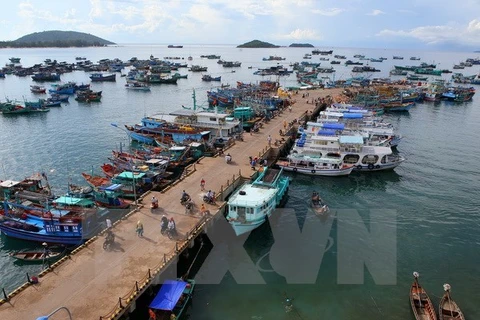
(94, 284)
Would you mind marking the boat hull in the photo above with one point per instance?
(32, 236)
(326, 173)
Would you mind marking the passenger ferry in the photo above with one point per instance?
(252, 203)
(350, 149)
(316, 166)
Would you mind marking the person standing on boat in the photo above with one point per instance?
(139, 229)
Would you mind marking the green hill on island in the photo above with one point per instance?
(257, 44)
(56, 38)
(301, 45)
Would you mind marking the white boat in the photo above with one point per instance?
(137, 86)
(316, 166)
(252, 203)
(350, 149)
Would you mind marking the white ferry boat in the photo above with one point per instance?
(350, 149)
(316, 166)
(252, 203)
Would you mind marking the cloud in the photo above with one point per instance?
(375, 12)
(330, 12)
(460, 34)
(301, 34)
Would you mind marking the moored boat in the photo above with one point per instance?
(448, 309)
(422, 306)
(316, 166)
(252, 203)
(38, 89)
(172, 299)
(318, 206)
(103, 77)
(36, 256)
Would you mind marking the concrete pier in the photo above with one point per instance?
(97, 284)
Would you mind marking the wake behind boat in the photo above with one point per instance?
(252, 203)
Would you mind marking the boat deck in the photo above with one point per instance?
(90, 282)
(271, 175)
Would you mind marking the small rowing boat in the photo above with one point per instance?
(421, 304)
(318, 205)
(448, 309)
(36, 256)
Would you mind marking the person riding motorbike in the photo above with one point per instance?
(109, 239)
(172, 229)
(185, 197)
(163, 224)
(154, 203)
(209, 197)
(228, 158)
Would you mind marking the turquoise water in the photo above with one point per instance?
(434, 194)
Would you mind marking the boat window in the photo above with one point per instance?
(384, 159)
(57, 228)
(213, 119)
(370, 159)
(74, 229)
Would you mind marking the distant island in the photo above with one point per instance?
(257, 44)
(301, 45)
(56, 38)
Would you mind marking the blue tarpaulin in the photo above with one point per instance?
(112, 187)
(326, 132)
(348, 115)
(335, 126)
(168, 295)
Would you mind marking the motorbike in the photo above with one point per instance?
(239, 137)
(154, 205)
(228, 159)
(109, 240)
(185, 199)
(189, 207)
(209, 200)
(171, 233)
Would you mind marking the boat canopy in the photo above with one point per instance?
(351, 139)
(112, 187)
(350, 115)
(72, 201)
(129, 175)
(169, 294)
(335, 126)
(8, 183)
(326, 132)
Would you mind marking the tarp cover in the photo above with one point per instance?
(168, 295)
(326, 132)
(335, 126)
(348, 115)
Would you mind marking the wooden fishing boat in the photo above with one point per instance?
(172, 299)
(422, 306)
(448, 309)
(35, 256)
(95, 181)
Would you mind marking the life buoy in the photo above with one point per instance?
(295, 169)
(220, 140)
(370, 166)
(377, 166)
(359, 167)
(313, 171)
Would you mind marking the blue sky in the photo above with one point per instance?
(425, 24)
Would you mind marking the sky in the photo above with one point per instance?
(419, 24)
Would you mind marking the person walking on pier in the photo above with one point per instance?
(202, 184)
(109, 223)
(140, 229)
(269, 139)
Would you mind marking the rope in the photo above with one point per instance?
(111, 313)
(193, 262)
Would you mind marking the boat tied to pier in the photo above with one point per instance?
(251, 204)
(172, 299)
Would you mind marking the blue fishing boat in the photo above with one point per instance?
(173, 297)
(67, 228)
(252, 203)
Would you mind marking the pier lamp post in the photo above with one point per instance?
(55, 311)
(131, 167)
